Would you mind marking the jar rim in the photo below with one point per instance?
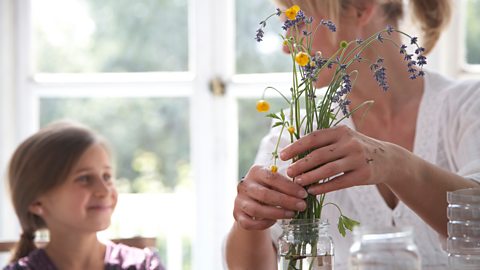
(376, 233)
(317, 221)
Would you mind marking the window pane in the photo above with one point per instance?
(76, 36)
(473, 31)
(150, 136)
(150, 141)
(252, 56)
(252, 127)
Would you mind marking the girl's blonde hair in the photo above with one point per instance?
(431, 15)
(41, 163)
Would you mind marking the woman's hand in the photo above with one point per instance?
(354, 158)
(264, 196)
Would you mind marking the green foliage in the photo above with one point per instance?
(128, 36)
(346, 223)
(473, 32)
(150, 136)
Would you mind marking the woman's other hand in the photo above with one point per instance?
(264, 197)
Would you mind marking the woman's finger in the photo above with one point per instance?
(328, 170)
(249, 223)
(316, 139)
(346, 180)
(274, 198)
(275, 181)
(255, 209)
(316, 158)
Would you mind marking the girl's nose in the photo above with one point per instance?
(102, 188)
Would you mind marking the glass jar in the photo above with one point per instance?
(383, 248)
(305, 244)
(463, 243)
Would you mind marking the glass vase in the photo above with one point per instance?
(384, 248)
(305, 244)
(463, 243)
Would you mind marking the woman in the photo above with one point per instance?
(418, 141)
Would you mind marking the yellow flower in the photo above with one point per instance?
(291, 13)
(273, 169)
(263, 106)
(285, 42)
(291, 129)
(302, 59)
(343, 44)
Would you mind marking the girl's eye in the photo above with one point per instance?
(83, 178)
(107, 177)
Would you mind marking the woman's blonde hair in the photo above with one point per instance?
(41, 163)
(431, 15)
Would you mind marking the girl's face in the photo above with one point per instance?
(86, 200)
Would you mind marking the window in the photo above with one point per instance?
(472, 32)
(75, 36)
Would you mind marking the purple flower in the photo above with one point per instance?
(298, 19)
(390, 29)
(346, 85)
(329, 24)
(421, 60)
(419, 50)
(344, 105)
(300, 16)
(414, 40)
(288, 24)
(379, 73)
(358, 57)
(279, 12)
(259, 35)
(380, 37)
(359, 41)
(403, 49)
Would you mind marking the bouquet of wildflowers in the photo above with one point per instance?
(310, 108)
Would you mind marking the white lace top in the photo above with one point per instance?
(447, 134)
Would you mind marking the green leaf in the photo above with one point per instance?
(341, 226)
(273, 116)
(282, 115)
(349, 223)
(277, 124)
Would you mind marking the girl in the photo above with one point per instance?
(418, 141)
(61, 179)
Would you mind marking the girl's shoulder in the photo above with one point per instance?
(120, 256)
(37, 259)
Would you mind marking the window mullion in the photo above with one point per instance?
(213, 160)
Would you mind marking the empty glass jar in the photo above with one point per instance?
(384, 248)
(463, 244)
(305, 244)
